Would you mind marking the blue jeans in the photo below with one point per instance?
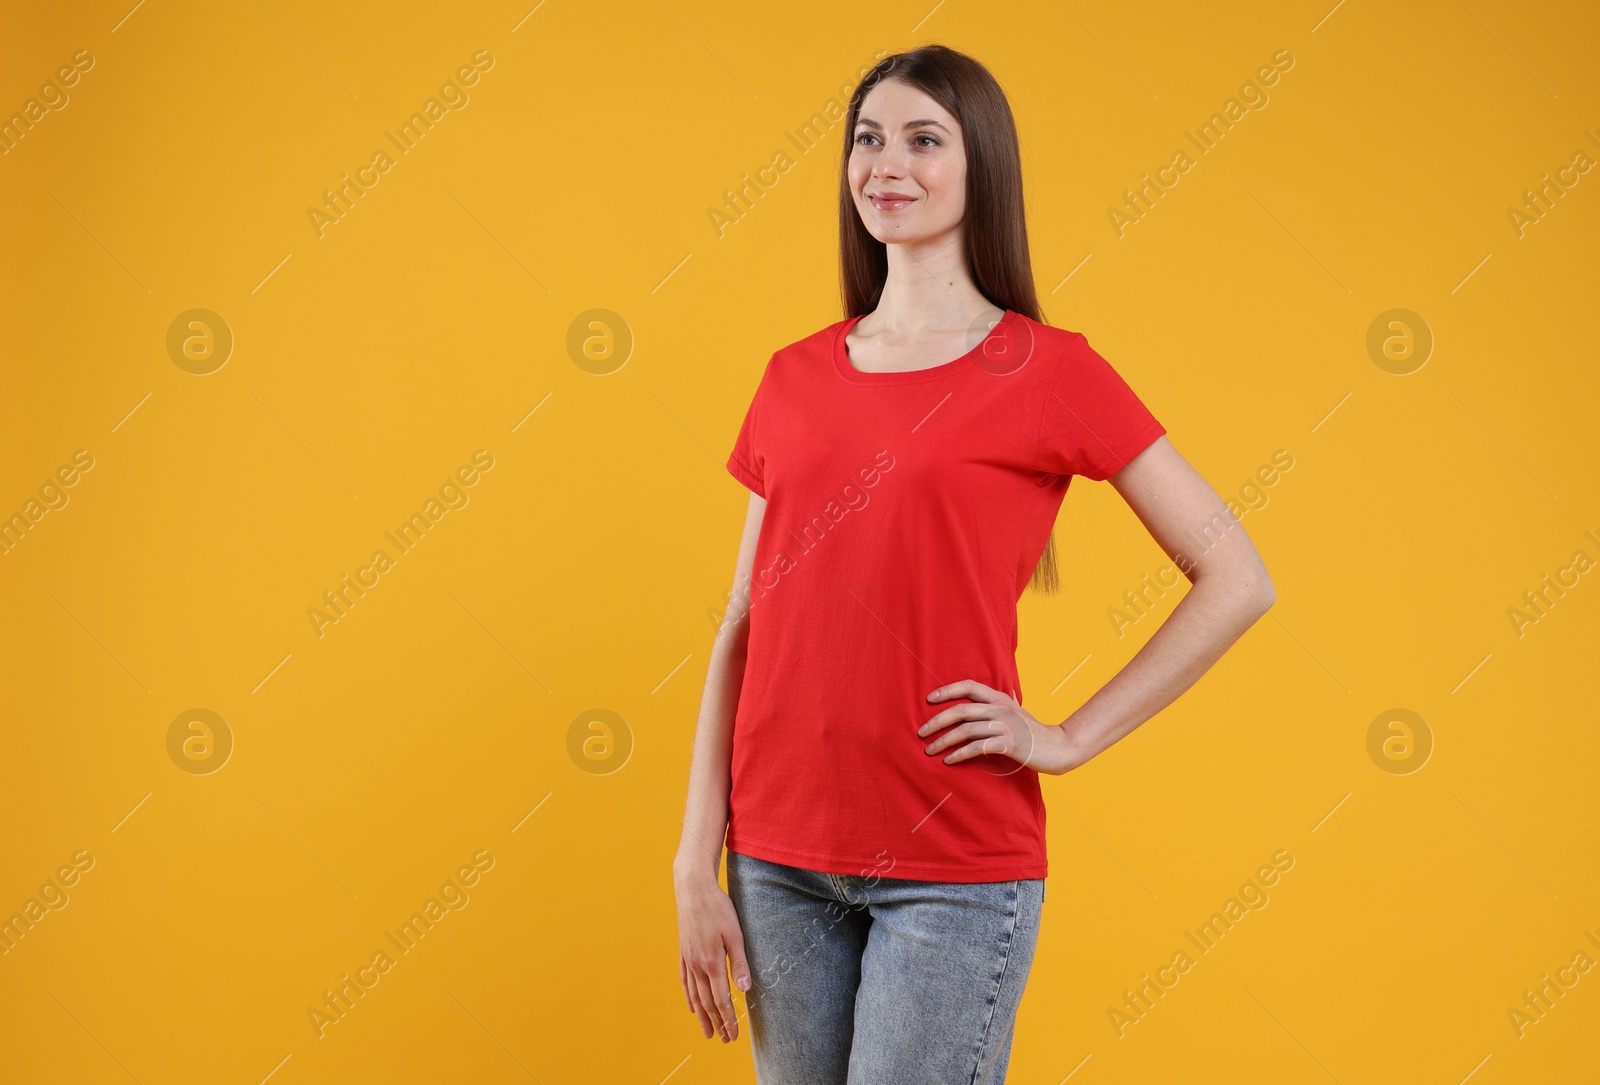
(867, 980)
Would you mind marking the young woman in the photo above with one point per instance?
(861, 739)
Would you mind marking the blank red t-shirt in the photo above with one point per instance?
(905, 514)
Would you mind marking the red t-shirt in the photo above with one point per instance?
(905, 515)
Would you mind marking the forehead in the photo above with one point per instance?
(893, 104)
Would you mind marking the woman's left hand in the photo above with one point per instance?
(995, 724)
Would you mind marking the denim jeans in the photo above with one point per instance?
(868, 980)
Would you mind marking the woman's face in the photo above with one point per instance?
(908, 166)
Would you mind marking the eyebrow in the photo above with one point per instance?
(927, 123)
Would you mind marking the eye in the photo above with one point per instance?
(934, 140)
(864, 136)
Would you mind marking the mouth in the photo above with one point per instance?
(890, 201)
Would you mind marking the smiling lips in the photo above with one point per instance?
(890, 201)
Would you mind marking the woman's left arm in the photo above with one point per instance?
(1231, 591)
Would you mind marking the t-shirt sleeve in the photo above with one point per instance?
(748, 456)
(1091, 423)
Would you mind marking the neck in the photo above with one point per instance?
(928, 287)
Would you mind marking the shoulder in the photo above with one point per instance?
(1065, 353)
(804, 354)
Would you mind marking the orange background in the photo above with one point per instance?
(522, 685)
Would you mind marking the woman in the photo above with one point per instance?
(861, 740)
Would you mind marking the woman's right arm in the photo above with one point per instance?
(708, 927)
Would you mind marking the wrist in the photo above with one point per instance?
(695, 866)
(1068, 753)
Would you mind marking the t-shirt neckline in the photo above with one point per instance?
(848, 371)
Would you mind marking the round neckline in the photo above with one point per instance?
(847, 369)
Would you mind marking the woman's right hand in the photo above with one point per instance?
(709, 936)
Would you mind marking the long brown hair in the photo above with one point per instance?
(996, 231)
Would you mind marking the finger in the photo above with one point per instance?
(955, 714)
(683, 978)
(991, 744)
(967, 687)
(957, 735)
(741, 966)
(701, 1010)
(704, 986)
(725, 1006)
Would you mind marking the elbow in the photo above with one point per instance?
(1262, 593)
